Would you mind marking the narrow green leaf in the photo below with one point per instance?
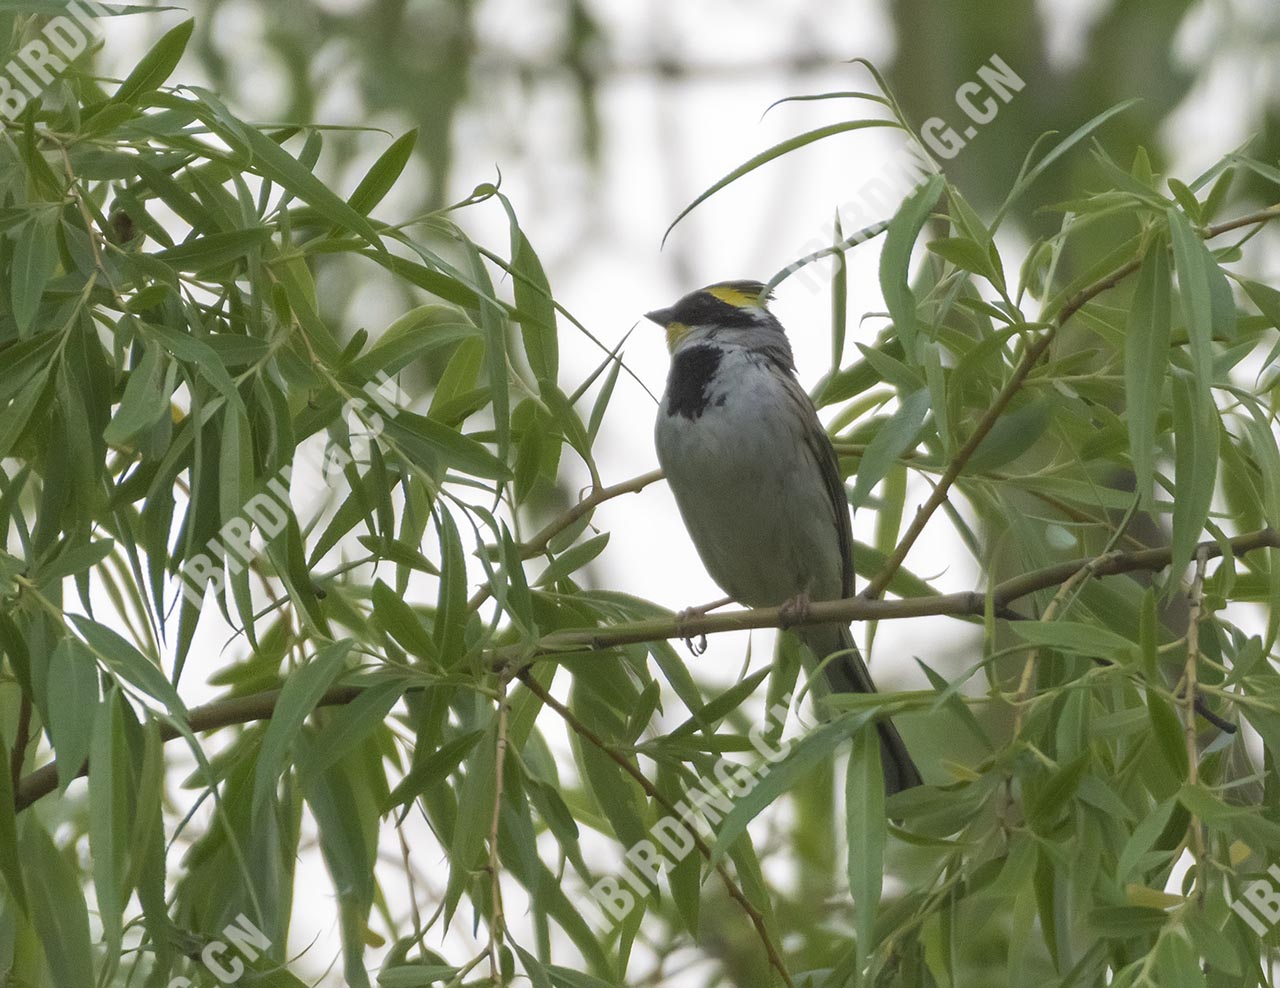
(707, 717)
(77, 561)
(475, 808)
(839, 299)
(424, 439)
(156, 65)
(865, 824)
(598, 408)
(534, 306)
(235, 487)
(1142, 840)
(1166, 728)
(53, 8)
(214, 250)
(273, 162)
(1057, 791)
(346, 818)
(147, 843)
(967, 255)
(1013, 434)
(451, 603)
(417, 975)
(1146, 362)
(412, 335)
(72, 686)
(563, 977)
(302, 691)
(109, 809)
(1074, 636)
(1177, 964)
(350, 724)
(1149, 636)
(1029, 175)
(777, 151)
(433, 769)
(145, 399)
(58, 908)
(1195, 426)
(899, 434)
(953, 703)
(845, 94)
(617, 795)
(35, 257)
(784, 774)
(895, 258)
(1267, 301)
(10, 862)
(493, 321)
(186, 348)
(1186, 199)
(402, 622)
(382, 176)
(18, 414)
(572, 560)
(1245, 823)
(538, 975)
(1202, 287)
(131, 665)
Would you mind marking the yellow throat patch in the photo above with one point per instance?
(676, 331)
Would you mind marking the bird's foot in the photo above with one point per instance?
(697, 645)
(795, 610)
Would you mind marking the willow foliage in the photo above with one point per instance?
(393, 641)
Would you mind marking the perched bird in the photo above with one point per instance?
(756, 478)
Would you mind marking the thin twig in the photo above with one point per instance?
(1011, 388)
(210, 717)
(731, 886)
(969, 603)
(972, 603)
(1249, 219)
(21, 738)
(537, 545)
(1029, 668)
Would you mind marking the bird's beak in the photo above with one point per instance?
(661, 316)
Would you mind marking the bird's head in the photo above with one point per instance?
(732, 311)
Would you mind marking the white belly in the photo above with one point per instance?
(750, 491)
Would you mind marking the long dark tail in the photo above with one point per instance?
(847, 673)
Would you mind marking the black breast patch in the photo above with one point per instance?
(689, 384)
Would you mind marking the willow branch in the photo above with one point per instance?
(537, 545)
(965, 604)
(1249, 219)
(1011, 388)
(21, 738)
(210, 717)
